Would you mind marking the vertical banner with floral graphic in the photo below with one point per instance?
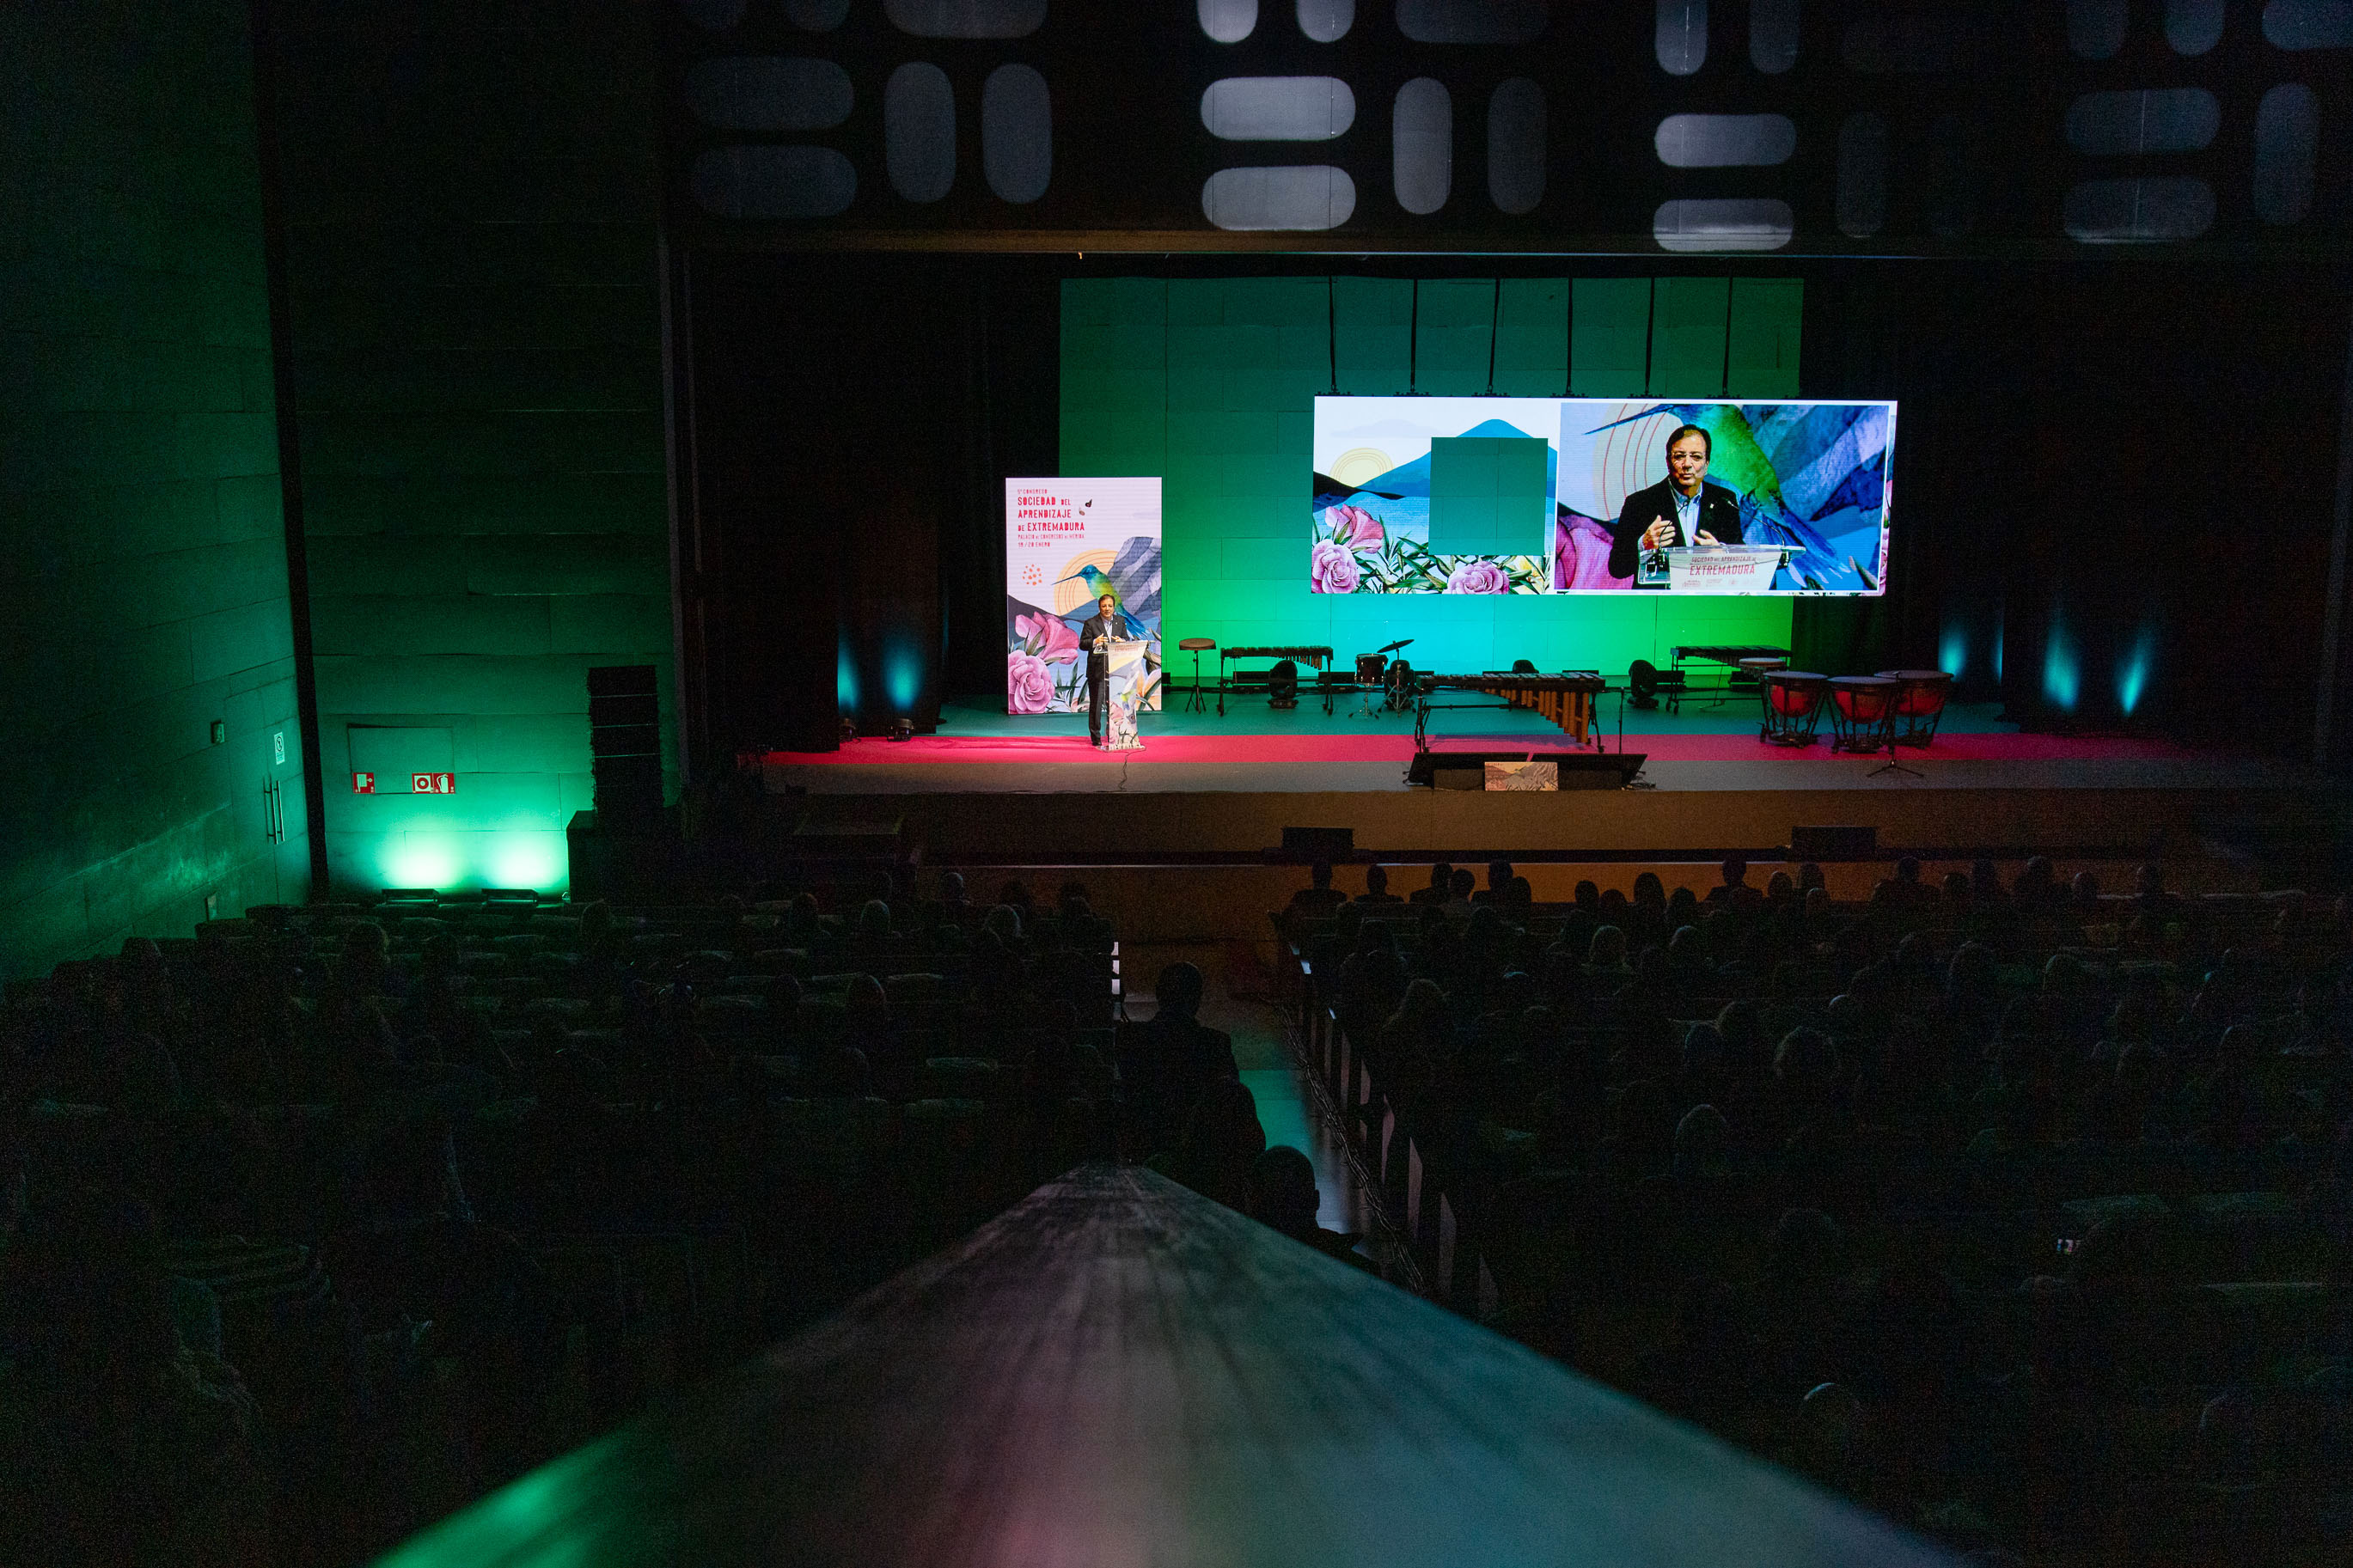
(1066, 542)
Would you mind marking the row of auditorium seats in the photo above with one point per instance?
(428, 1189)
(1903, 1192)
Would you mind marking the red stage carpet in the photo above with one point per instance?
(1262, 749)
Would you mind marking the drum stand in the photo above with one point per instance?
(1887, 737)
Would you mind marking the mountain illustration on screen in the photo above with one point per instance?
(1329, 492)
(1413, 478)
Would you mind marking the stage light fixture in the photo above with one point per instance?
(1643, 684)
(849, 730)
(1282, 685)
(1645, 680)
(904, 729)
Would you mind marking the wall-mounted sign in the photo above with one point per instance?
(433, 783)
(363, 783)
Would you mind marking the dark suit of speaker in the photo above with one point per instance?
(1719, 515)
(1098, 673)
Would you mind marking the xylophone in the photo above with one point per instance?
(1318, 657)
(1565, 699)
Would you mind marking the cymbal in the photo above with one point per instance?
(1401, 642)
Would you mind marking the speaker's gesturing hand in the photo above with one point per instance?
(1660, 534)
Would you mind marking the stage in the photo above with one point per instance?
(992, 789)
(1256, 749)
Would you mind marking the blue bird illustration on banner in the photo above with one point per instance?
(1099, 583)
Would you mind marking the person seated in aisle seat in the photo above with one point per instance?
(2154, 898)
(1441, 885)
(1499, 883)
(1282, 1197)
(1170, 1063)
(1734, 892)
(1458, 893)
(1376, 887)
(2036, 887)
(1218, 1146)
(1904, 889)
(1321, 898)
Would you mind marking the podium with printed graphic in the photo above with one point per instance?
(1712, 568)
(1130, 686)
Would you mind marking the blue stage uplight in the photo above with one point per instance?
(844, 678)
(2062, 674)
(1953, 652)
(2132, 675)
(902, 673)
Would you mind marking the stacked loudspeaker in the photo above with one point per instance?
(625, 744)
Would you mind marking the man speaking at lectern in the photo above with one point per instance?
(1682, 509)
(1093, 635)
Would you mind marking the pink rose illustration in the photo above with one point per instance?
(1332, 569)
(1357, 529)
(1029, 684)
(1478, 577)
(1047, 638)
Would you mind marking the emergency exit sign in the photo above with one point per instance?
(419, 784)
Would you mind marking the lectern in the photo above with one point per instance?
(1129, 687)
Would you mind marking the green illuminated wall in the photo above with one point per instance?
(143, 569)
(1209, 382)
(472, 258)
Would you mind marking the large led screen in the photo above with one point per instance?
(1533, 495)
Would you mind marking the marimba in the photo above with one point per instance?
(1565, 699)
(1740, 660)
(1726, 653)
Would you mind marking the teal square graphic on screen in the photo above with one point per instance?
(1487, 495)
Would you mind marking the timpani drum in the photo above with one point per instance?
(1920, 700)
(1863, 707)
(1793, 706)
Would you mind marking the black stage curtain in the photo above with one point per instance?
(852, 418)
(2105, 466)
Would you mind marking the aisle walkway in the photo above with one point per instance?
(1286, 1103)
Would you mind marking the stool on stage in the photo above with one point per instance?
(1196, 646)
(1862, 709)
(1793, 707)
(1920, 700)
